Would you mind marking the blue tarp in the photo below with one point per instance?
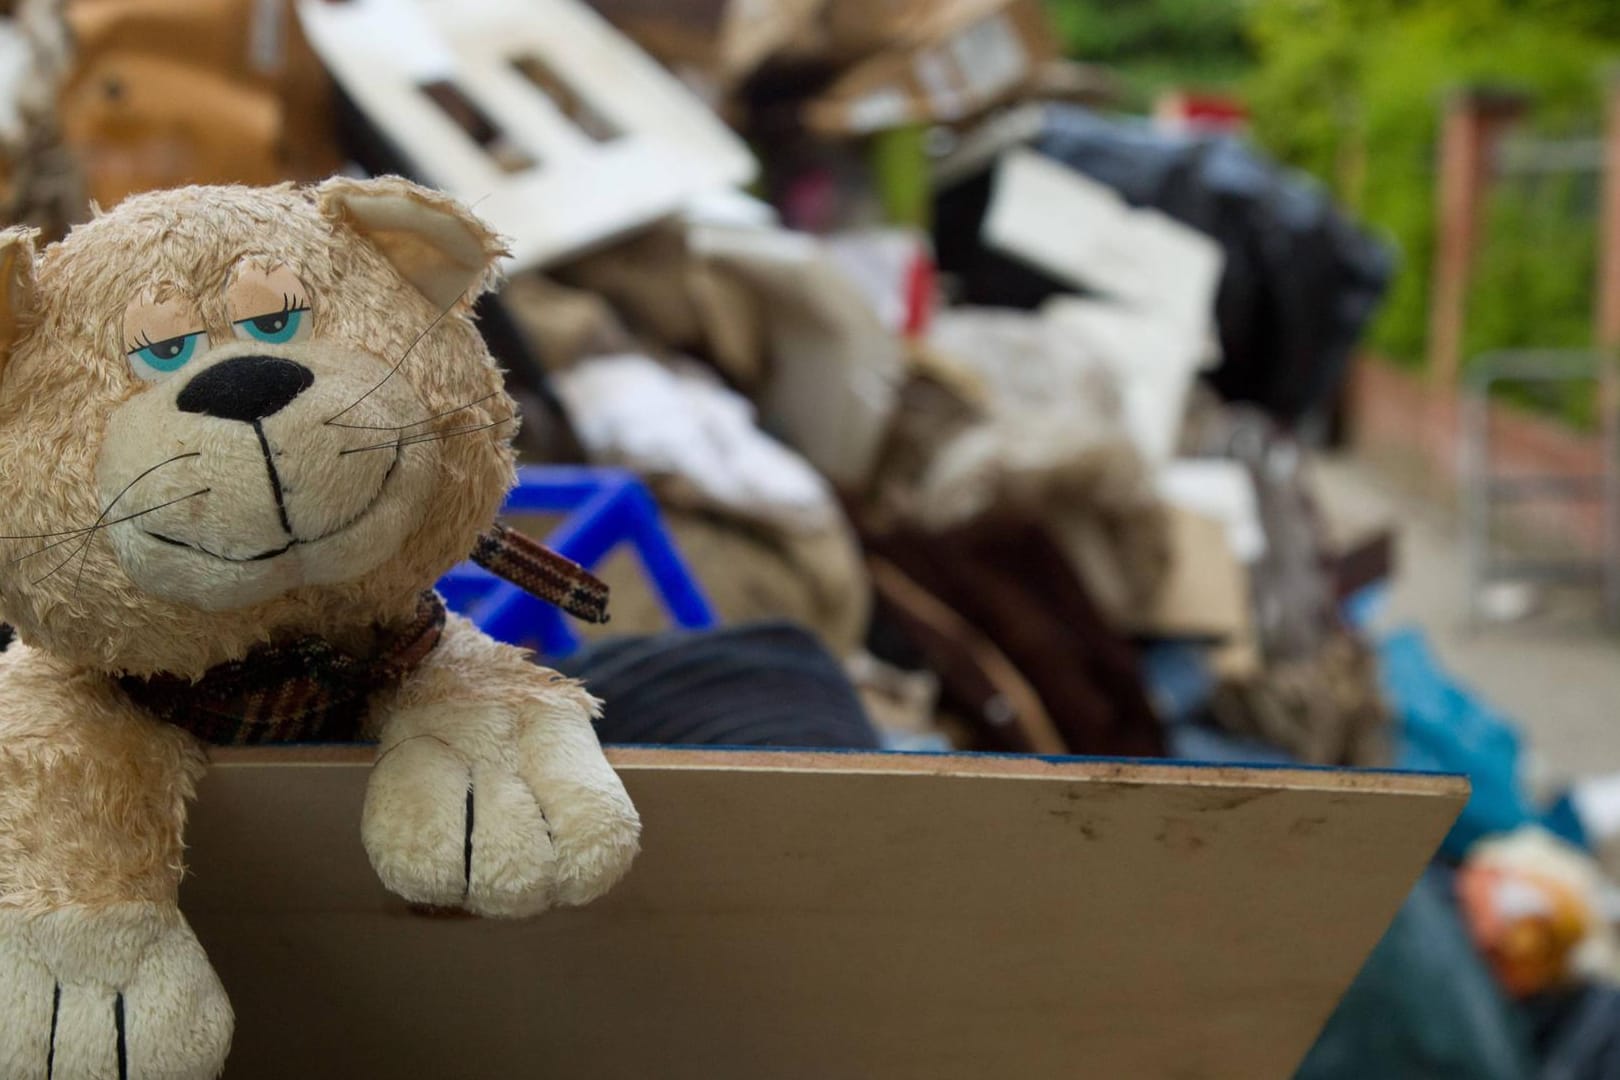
(1443, 727)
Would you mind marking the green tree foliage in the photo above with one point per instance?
(1351, 91)
(1124, 30)
(1157, 43)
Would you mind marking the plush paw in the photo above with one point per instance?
(122, 993)
(500, 812)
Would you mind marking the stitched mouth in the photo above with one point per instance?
(260, 557)
(294, 542)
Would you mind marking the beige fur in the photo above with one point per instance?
(218, 532)
(476, 716)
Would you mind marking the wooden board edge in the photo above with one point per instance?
(1005, 766)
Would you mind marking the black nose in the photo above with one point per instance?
(246, 388)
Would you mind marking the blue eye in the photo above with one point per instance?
(277, 327)
(170, 354)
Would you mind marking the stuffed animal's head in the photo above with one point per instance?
(237, 415)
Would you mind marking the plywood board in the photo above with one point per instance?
(823, 916)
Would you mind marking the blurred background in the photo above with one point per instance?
(1222, 380)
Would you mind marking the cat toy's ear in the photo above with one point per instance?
(19, 296)
(432, 240)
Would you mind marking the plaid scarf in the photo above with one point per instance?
(541, 572)
(310, 691)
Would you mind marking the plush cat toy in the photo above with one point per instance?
(242, 432)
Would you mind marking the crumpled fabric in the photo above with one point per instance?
(760, 528)
(1580, 1034)
(1007, 413)
(678, 423)
(1007, 577)
(749, 574)
(761, 684)
(1324, 708)
(1317, 694)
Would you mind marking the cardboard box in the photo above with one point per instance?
(804, 916)
(679, 300)
(1206, 596)
(171, 92)
(961, 60)
(834, 370)
(854, 28)
(725, 40)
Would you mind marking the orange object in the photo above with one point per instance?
(1527, 925)
(170, 92)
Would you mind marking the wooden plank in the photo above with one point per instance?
(812, 915)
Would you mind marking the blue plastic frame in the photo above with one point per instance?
(605, 508)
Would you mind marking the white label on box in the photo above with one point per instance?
(940, 81)
(1219, 489)
(879, 110)
(991, 56)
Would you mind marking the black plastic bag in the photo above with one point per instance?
(1301, 281)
